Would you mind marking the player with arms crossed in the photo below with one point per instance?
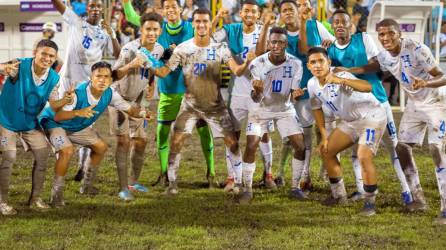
(420, 76)
(201, 59)
(242, 38)
(363, 121)
(276, 77)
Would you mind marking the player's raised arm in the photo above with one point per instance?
(64, 115)
(356, 84)
(261, 43)
(59, 5)
(304, 14)
(239, 70)
(130, 13)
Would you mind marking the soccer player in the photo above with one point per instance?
(133, 78)
(363, 121)
(296, 17)
(72, 124)
(30, 84)
(242, 38)
(414, 66)
(201, 59)
(276, 77)
(355, 51)
(87, 39)
(172, 88)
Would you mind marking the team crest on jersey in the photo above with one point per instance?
(212, 53)
(4, 141)
(287, 72)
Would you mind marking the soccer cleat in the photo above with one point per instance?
(441, 219)
(269, 182)
(138, 188)
(162, 180)
(244, 198)
(89, 190)
(38, 203)
(407, 198)
(417, 206)
(79, 175)
(57, 200)
(237, 188)
(331, 201)
(212, 182)
(126, 195)
(6, 209)
(368, 209)
(172, 189)
(306, 186)
(356, 196)
(297, 194)
(229, 185)
(280, 181)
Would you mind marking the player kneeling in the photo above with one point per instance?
(363, 121)
(72, 124)
(276, 76)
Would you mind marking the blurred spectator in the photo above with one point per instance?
(188, 8)
(233, 8)
(443, 40)
(79, 7)
(49, 30)
(359, 16)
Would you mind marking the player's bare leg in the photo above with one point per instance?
(97, 154)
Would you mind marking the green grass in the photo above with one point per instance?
(207, 219)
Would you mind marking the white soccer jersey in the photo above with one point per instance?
(342, 101)
(242, 84)
(134, 83)
(201, 67)
(414, 60)
(86, 43)
(278, 82)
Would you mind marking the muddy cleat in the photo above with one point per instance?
(237, 188)
(244, 198)
(172, 189)
(331, 201)
(38, 204)
(229, 186)
(417, 206)
(269, 182)
(89, 190)
(126, 195)
(356, 196)
(368, 209)
(297, 194)
(280, 181)
(6, 209)
(306, 186)
(138, 188)
(212, 183)
(79, 175)
(57, 200)
(407, 198)
(162, 180)
(441, 219)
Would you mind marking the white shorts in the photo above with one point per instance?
(367, 131)
(60, 138)
(415, 120)
(304, 112)
(286, 124)
(240, 107)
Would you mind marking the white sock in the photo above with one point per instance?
(237, 166)
(248, 174)
(306, 170)
(358, 174)
(440, 172)
(308, 140)
(399, 172)
(174, 164)
(266, 148)
(297, 167)
(338, 189)
(229, 164)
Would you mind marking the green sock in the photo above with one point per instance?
(162, 142)
(207, 145)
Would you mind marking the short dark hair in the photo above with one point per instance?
(252, 2)
(152, 16)
(162, 2)
(201, 11)
(278, 30)
(100, 65)
(340, 11)
(387, 22)
(47, 43)
(317, 50)
(288, 1)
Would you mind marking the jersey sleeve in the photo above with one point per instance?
(297, 78)
(314, 101)
(220, 35)
(118, 102)
(370, 46)
(256, 71)
(124, 58)
(225, 53)
(70, 17)
(175, 60)
(425, 57)
(323, 32)
(381, 59)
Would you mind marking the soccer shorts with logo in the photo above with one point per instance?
(123, 124)
(61, 138)
(34, 139)
(239, 107)
(287, 123)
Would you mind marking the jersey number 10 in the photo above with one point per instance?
(277, 85)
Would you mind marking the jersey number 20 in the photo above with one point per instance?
(199, 68)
